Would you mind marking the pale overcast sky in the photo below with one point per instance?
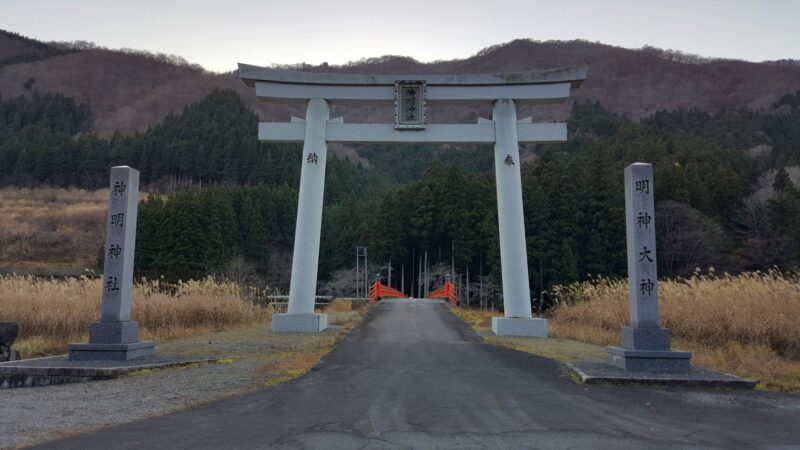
(218, 34)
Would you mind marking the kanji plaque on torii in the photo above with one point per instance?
(412, 95)
(409, 105)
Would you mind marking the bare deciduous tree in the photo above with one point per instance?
(687, 239)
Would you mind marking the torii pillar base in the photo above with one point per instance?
(519, 326)
(299, 323)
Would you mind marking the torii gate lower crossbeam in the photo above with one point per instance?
(319, 90)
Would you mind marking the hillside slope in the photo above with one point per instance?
(130, 91)
(17, 49)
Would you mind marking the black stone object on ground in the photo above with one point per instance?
(8, 334)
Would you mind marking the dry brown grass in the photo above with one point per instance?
(47, 228)
(52, 313)
(292, 365)
(338, 306)
(480, 321)
(745, 324)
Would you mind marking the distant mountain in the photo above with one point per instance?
(17, 49)
(130, 91)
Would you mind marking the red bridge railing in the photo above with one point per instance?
(448, 291)
(378, 290)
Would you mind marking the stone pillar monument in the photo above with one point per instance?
(116, 336)
(645, 346)
(300, 317)
(513, 251)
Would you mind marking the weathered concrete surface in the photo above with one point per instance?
(519, 326)
(299, 323)
(414, 376)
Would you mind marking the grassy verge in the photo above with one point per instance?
(199, 318)
(743, 325)
(561, 350)
(52, 313)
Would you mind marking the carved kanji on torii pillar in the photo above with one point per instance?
(411, 96)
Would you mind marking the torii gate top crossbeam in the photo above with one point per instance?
(251, 74)
(410, 95)
(533, 87)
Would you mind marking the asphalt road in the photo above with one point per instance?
(414, 376)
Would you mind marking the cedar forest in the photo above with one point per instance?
(725, 198)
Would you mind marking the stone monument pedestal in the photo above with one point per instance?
(519, 326)
(299, 323)
(648, 350)
(104, 352)
(111, 341)
(662, 361)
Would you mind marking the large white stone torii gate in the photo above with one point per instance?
(411, 95)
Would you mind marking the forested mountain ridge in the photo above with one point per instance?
(724, 172)
(719, 202)
(129, 91)
(16, 49)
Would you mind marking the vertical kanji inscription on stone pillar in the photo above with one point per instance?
(645, 345)
(115, 336)
(641, 237)
(120, 244)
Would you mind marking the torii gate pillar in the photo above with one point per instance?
(518, 320)
(300, 317)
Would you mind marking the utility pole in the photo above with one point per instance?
(480, 278)
(357, 275)
(403, 278)
(453, 257)
(419, 276)
(466, 296)
(425, 278)
(390, 273)
(462, 294)
(541, 283)
(362, 271)
(413, 256)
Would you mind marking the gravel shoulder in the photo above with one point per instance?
(250, 357)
